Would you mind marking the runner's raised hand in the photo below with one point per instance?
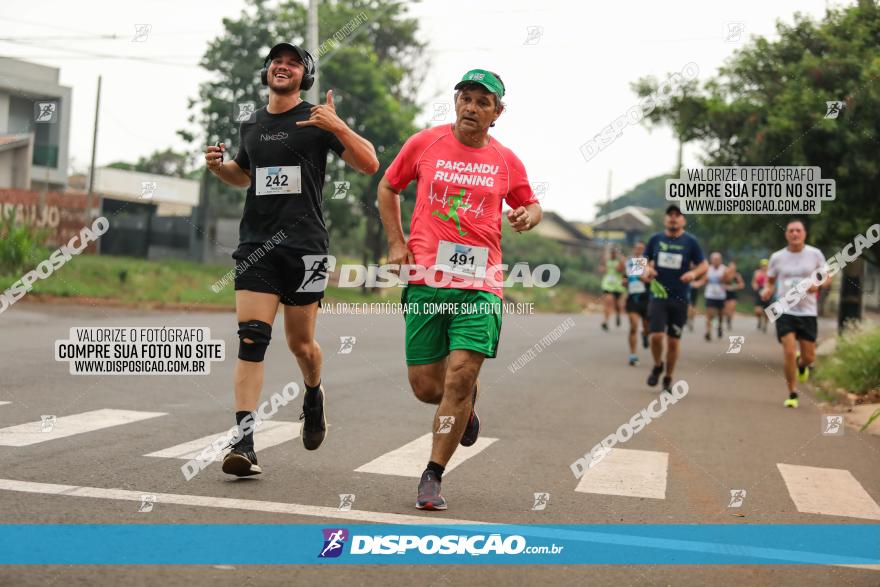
(324, 116)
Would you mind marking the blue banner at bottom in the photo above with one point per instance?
(142, 544)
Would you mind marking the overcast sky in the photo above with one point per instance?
(567, 67)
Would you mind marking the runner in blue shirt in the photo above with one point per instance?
(675, 260)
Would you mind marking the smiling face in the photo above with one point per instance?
(476, 109)
(715, 259)
(285, 72)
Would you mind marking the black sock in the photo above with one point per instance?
(248, 439)
(312, 393)
(436, 468)
(792, 395)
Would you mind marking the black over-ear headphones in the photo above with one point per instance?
(308, 79)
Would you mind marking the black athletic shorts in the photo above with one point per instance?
(694, 295)
(804, 327)
(616, 294)
(637, 304)
(667, 315)
(717, 304)
(761, 303)
(731, 295)
(281, 271)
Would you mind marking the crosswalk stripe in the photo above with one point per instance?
(627, 472)
(33, 432)
(409, 460)
(209, 501)
(832, 492)
(267, 434)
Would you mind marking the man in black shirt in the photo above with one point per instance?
(284, 243)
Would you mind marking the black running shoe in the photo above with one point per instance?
(645, 343)
(708, 337)
(314, 426)
(667, 385)
(604, 327)
(472, 430)
(429, 492)
(618, 320)
(241, 461)
(654, 377)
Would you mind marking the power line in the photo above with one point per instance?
(113, 56)
(62, 56)
(87, 35)
(43, 24)
(61, 38)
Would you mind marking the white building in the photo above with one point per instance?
(172, 196)
(34, 126)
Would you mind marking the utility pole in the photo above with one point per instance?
(312, 95)
(849, 305)
(90, 197)
(608, 188)
(678, 160)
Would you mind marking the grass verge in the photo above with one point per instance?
(142, 282)
(854, 365)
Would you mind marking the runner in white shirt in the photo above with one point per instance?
(788, 268)
(636, 299)
(715, 293)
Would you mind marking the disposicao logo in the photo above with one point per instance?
(334, 541)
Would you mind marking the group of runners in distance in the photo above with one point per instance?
(457, 169)
(658, 288)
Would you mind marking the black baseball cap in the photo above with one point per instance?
(302, 53)
(673, 208)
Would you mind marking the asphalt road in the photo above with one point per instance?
(730, 432)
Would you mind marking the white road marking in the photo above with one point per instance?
(384, 518)
(4, 403)
(409, 460)
(225, 503)
(268, 434)
(831, 492)
(33, 432)
(632, 473)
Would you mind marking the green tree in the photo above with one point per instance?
(767, 106)
(167, 162)
(648, 194)
(372, 69)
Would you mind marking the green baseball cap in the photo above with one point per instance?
(485, 78)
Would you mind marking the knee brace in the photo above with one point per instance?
(259, 333)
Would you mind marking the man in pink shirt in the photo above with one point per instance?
(452, 307)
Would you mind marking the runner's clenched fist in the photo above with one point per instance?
(214, 157)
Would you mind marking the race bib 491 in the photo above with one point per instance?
(461, 259)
